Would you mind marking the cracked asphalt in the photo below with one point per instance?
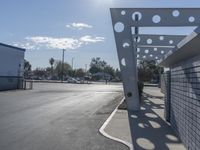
(56, 116)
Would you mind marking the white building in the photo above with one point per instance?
(11, 66)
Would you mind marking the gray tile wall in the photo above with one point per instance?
(165, 89)
(185, 102)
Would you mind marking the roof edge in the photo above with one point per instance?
(10, 46)
(186, 49)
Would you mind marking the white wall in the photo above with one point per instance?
(10, 60)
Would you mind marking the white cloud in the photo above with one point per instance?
(78, 26)
(89, 39)
(38, 42)
(54, 43)
(26, 45)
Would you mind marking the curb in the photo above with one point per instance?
(101, 130)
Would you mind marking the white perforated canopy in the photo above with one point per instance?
(133, 46)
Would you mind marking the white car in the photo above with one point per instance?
(72, 80)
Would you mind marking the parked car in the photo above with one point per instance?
(72, 80)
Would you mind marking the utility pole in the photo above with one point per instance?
(63, 59)
(72, 63)
(86, 75)
(85, 68)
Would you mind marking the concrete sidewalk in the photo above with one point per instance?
(150, 131)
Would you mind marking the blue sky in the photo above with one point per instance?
(83, 27)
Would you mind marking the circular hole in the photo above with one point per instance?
(155, 124)
(151, 55)
(175, 13)
(148, 144)
(137, 39)
(134, 116)
(151, 115)
(137, 16)
(161, 38)
(172, 137)
(156, 19)
(129, 94)
(171, 42)
(146, 51)
(191, 19)
(138, 49)
(126, 45)
(142, 125)
(162, 52)
(155, 49)
(144, 56)
(156, 57)
(123, 62)
(149, 41)
(123, 12)
(119, 27)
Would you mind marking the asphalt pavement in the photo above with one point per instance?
(55, 116)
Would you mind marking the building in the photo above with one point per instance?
(11, 67)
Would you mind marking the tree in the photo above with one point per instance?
(39, 72)
(67, 69)
(27, 65)
(100, 66)
(80, 73)
(118, 75)
(49, 71)
(51, 62)
(27, 68)
(109, 70)
(97, 65)
(148, 70)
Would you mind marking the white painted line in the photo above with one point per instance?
(101, 130)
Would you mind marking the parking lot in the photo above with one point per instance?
(57, 116)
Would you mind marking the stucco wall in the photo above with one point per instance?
(11, 67)
(10, 61)
(10, 83)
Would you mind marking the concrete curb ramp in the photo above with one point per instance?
(103, 131)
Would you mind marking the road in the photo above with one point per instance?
(56, 116)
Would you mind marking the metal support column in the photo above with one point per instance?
(128, 63)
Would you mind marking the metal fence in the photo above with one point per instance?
(27, 84)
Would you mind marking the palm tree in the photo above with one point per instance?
(51, 62)
(27, 65)
(27, 68)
